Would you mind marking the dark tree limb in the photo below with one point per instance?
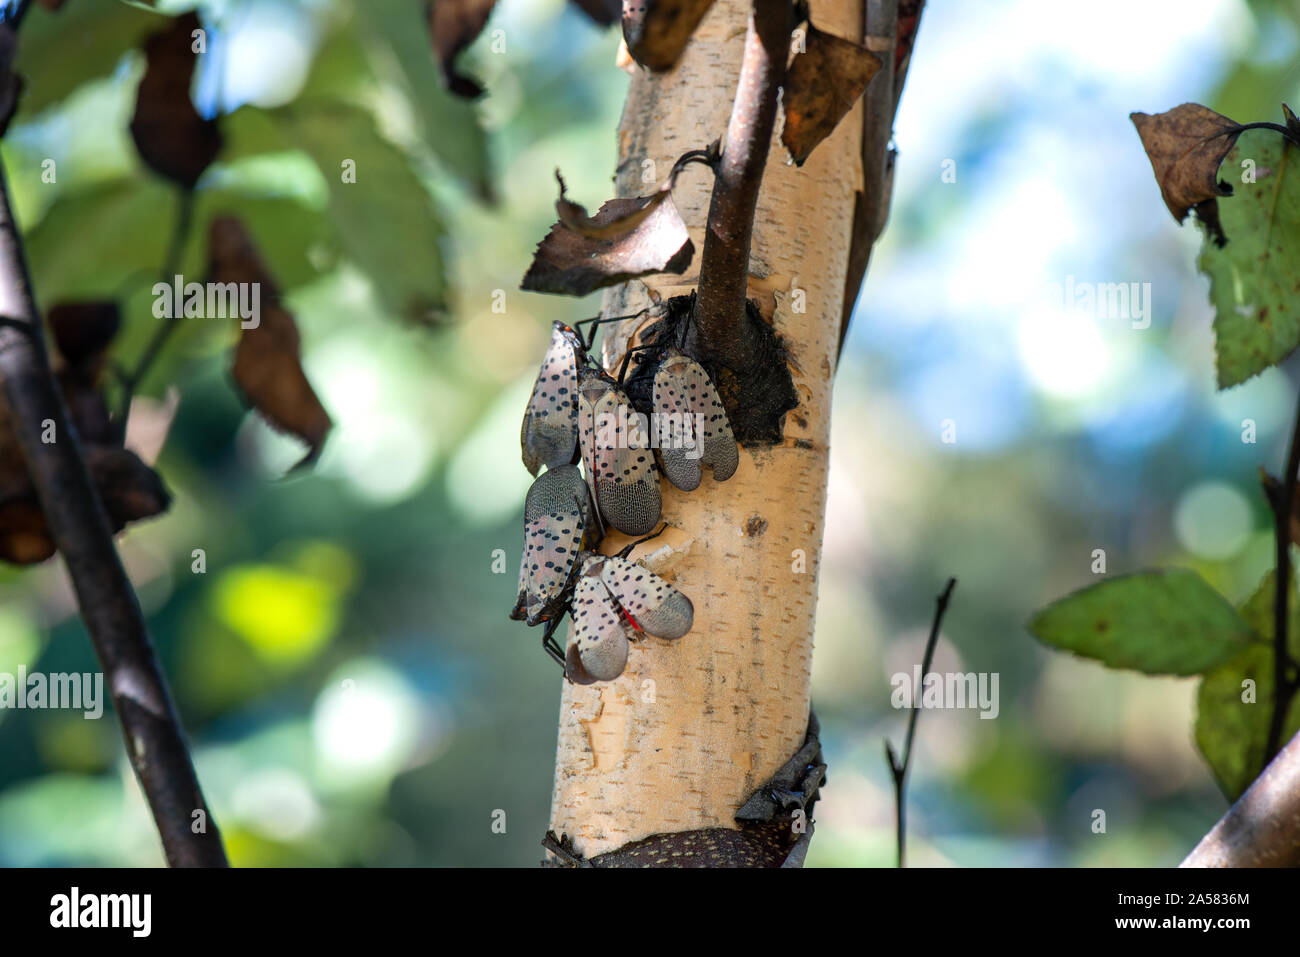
(724, 264)
(155, 744)
(1284, 680)
(898, 768)
(890, 33)
(1263, 828)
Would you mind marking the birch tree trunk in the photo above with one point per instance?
(693, 727)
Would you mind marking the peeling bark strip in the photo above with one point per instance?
(1263, 828)
(692, 729)
(155, 744)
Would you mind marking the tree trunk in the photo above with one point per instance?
(693, 727)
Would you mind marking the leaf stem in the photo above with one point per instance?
(171, 264)
(899, 768)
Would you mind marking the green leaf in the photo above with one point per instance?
(113, 239)
(1255, 276)
(448, 123)
(92, 243)
(81, 42)
(1232, 718)
(386, 220)
(1161, 623)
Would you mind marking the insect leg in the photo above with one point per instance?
(548, 640)
(627, 549)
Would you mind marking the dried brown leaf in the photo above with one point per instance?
(454, 25)
(821, 86)
(268, 359)
(129, 489)
(169, 133)
(657, 31)
(604, 12)
(1186, 146)
(627, 238)
(83, 331)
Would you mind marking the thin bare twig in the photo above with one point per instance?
(899, 768)
(171, 266)
(1284, 681)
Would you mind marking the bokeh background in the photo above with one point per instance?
(352, 687)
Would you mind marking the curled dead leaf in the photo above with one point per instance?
(657, 31)
(1186, 146)
(83, 331)
(169, 133)
(130, 490)
(454, 25)
(627, 238)
(268, 359)
(821, 86)
(604, 12)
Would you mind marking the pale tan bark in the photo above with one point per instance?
(693, 727)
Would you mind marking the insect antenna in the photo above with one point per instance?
(599, 320)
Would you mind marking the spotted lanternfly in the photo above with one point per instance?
(557, 516)
(684, 396)
(549, 433)
(616, 455)
(616, 601)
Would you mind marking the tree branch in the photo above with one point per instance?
(155, 744)
(724, 264)
(899, 768)
(890, 33)
(1284, 682)
(1263, 828)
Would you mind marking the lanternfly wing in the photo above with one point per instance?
(599, 642)
(550, 428)
(556, 515)
(679, 448)
(616, 454)
(592, 386)
(682, 385)
(655, 606)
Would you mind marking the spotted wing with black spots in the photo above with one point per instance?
(680, 455)
(682, 386)
(616, 454)
(655, 606)
(557, 511)
(598, 644)
(549, 433)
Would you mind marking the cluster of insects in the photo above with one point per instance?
(579, 413)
